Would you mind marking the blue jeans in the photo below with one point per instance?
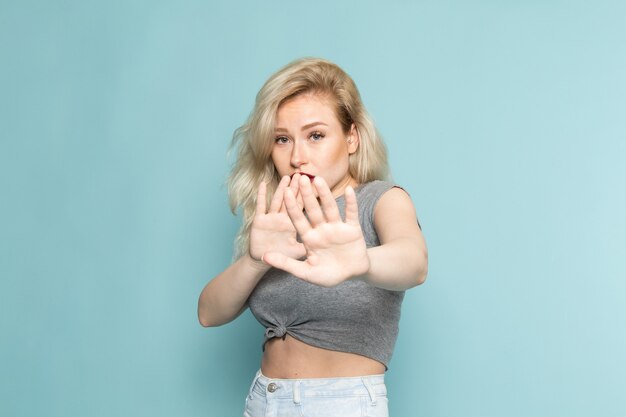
(317, 397)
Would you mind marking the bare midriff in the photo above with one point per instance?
(291, 359)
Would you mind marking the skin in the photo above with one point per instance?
(309, 139)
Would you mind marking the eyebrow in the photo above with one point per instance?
(305, 127)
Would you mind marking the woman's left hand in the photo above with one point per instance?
(335, 249)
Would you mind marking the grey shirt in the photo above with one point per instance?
(352, 317)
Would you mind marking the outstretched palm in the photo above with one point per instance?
(273, 230)
(335, 250)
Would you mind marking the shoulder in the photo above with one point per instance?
(373, 190)
(390, 198)
(368, 195)
(383, 195)
(394, 214)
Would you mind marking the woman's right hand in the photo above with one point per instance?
(273, 230)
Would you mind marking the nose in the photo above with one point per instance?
(299, 154)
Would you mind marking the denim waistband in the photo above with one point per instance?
(371, 386)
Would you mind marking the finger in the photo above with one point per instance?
(280, 261)
(295, 187)
(299, 200)
(352, 208)
(277, 199)
(329, 205)
(298, 219)
(295, 183)
(312, 207)
(260, 199)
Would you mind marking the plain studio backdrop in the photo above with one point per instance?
(504, 120)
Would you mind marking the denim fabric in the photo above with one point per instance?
(317, 397)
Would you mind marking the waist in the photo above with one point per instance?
(370, 385)
(293, 359)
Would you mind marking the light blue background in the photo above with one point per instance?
(505, 120)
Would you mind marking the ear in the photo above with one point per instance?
(353, 139)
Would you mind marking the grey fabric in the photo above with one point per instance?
(351, 317)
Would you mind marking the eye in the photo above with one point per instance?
(281, 139)
(315, 136)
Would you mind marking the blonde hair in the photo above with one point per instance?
(254, 140)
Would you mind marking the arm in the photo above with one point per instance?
(223, 299)
(336, 249)
(401, 260)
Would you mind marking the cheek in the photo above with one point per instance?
(341, 156)
(274, 156)
(278, 161)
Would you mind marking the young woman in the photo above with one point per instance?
(326, 249)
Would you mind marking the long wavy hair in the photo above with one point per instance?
(253, 141)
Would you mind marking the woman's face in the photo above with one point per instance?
(309, 140)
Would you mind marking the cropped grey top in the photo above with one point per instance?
(352, 317)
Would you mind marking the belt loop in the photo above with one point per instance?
(296, 392)
(370, 389)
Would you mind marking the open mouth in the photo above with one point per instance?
(311, 177)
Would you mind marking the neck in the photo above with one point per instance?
(340, 188)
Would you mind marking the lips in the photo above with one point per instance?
(311, 177)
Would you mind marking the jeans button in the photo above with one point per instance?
(272, 387)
